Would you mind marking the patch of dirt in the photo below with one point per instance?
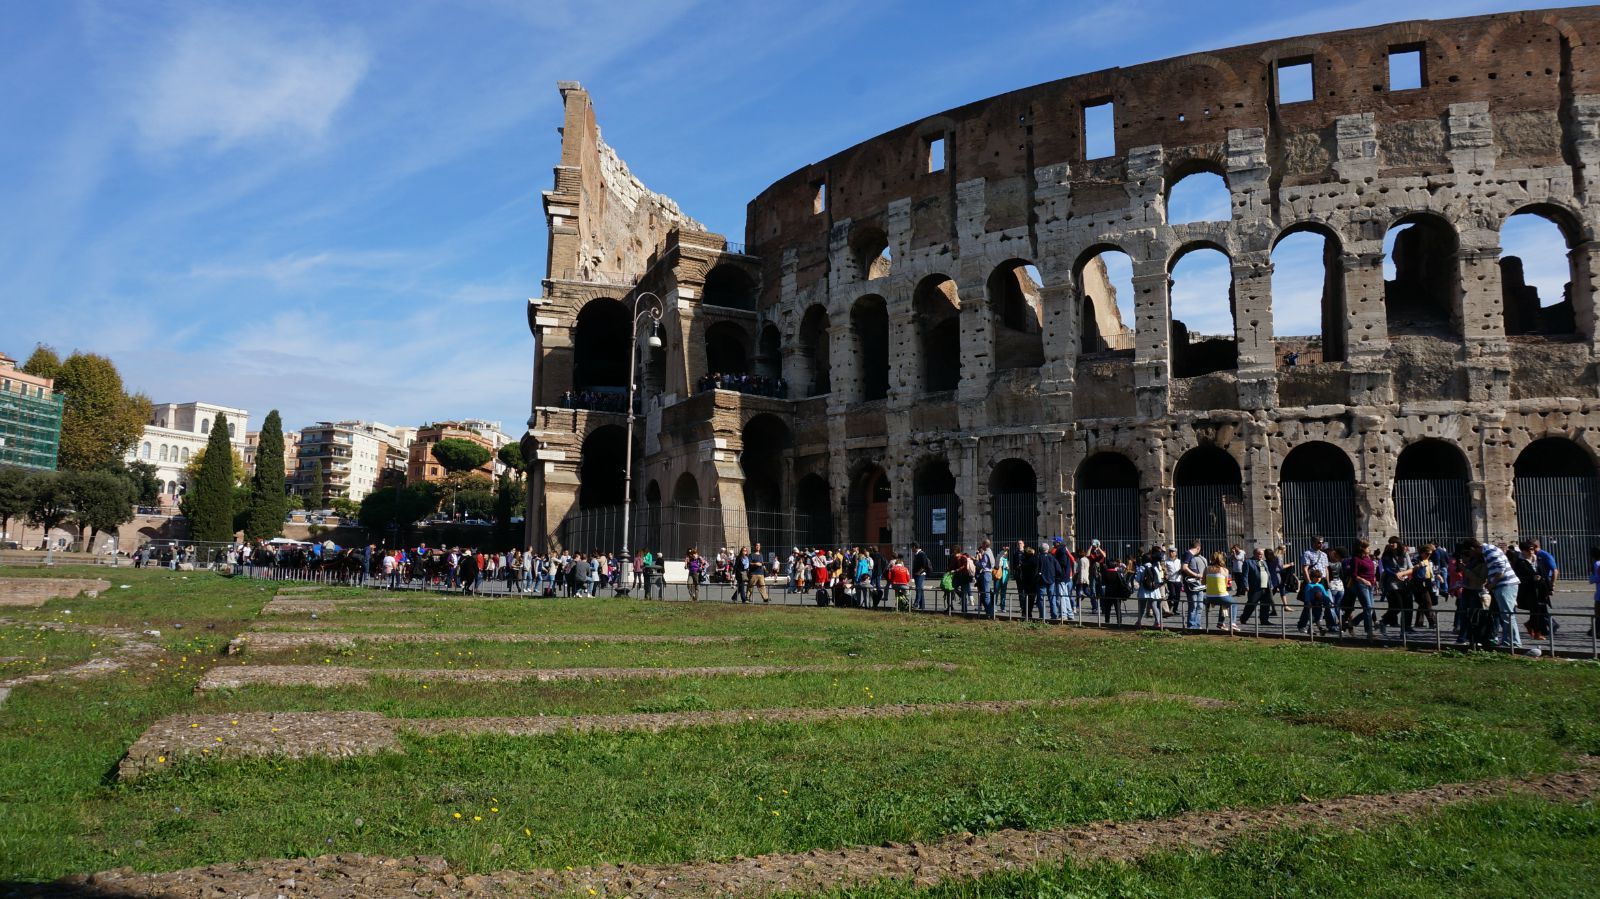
(231, 676)
(289, 734)
(127, 647)
(958, 857)
(338, 734)
(31, 592)
(270, 641)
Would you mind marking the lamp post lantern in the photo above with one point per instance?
(652, 311)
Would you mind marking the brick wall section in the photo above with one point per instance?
(36, 591)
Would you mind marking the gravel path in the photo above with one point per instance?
(273, 641)
(342, 734)
(960, 856)
(226, 677)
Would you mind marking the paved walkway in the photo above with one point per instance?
(1573, 610)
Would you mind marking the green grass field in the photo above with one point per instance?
(1310, 721)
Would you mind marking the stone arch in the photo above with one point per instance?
(1295, 251)
(937, 503)
(1422, 286)
(813, 373)
(938, 316)
(813, 503)
(1532, 301)
(1106, 501)
(1208, 499)
(1105, 312)
(600, 341)
(727, 349)
(1432, 493)
(1013, 502)
(730, 287)
(769, 353)
(1194, 295)
(868, 505)
(1557, 496)
(600, 467)
(1317, 489)
(1017, 306)
(869, 328)
(870, 252)
(766, 450)
(1197, 191)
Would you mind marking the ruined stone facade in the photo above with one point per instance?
(934, 300)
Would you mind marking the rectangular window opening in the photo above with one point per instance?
(1099, 129)
(1294, 81)
(1405, 68)
(936, 154)
(819, 200)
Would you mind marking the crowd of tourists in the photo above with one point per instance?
(595, 400)
(760, 385)
(1336, 591)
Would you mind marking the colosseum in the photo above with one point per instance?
(920, 337)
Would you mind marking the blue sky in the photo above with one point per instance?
(333, 208)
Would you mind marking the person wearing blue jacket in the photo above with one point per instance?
(1048, 600)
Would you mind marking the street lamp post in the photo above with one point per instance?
(651, 311)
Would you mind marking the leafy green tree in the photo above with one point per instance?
(141, 476)
(346, 509)
(295, 501)
(268, 498)
(49, 501)
(460, 454)
(475, 503)
(99, 420)
(101, 501)
(398, 507)
(198, 460)
(511, 457)
(508, 498)
(44, 363)
(16, 495)
(211, 499)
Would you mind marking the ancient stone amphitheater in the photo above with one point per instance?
(957, 362)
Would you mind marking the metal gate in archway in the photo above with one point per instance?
(1013, 517)
(1325, 509)
(1210, 513)
(1110, 515)
(1564, 514)
(1433, 511)
(938, 524)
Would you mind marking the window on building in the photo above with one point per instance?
(1099, 129)
(163, 452)
(935, 150)
(819, 199)
(144, 451)
(1295, 81)
(205, 425)
(1405, 68)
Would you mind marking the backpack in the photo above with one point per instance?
(1149, 579)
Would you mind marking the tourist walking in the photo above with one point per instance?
(1152, 581)
(1257, 577)
(1194, 586)
(1219, 592)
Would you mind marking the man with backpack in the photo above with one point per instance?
(1193, 572)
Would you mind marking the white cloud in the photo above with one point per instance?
(224, 80)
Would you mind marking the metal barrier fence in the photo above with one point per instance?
(1210, 513)
(1436, 511)
(1572, 637)
(1563, 513)
(1312, 509)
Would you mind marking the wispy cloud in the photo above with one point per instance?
(222, 80)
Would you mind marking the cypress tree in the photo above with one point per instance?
(211, 499)
(319, 491)
(268, 502)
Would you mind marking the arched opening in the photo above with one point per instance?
(766, 448)
(938, 311)
(814, 505)
(1208, 499)
(600, 347)
(596, 522)
(870, 249)
(869, 323)
(1558, 501)
(725, 350)
(183, 456)
(769, 354)
(1317, 484)
(1018, 311)
(1421, 285)
(144, 450)
(1308, 308)
(1536, 274)
(813, 372)
(868, 503)
(1105, 301)
(205, 425)
(163, 457)
(938, 506)
(1106, 503)
(729, 287)
(1432, 499)
(1199, 196)
(1203, 335)
(647, 529)
(687, 517)
(1014, 503)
